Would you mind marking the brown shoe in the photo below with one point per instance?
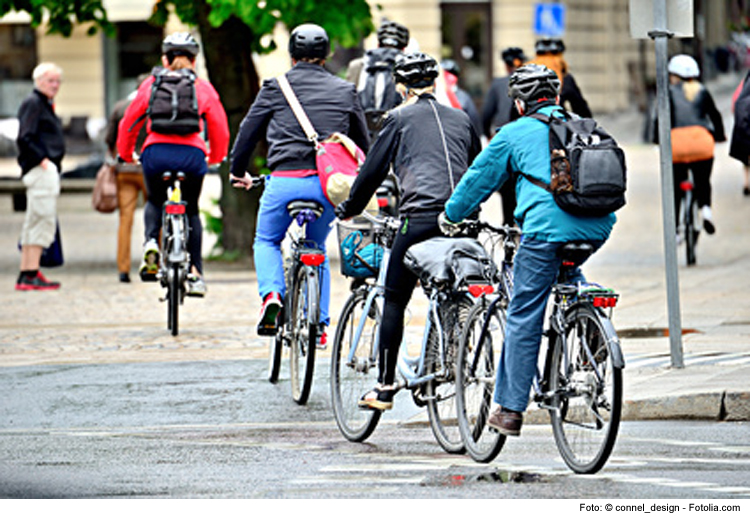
(506, 422)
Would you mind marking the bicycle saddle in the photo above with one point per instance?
(295, 207)
(575, 253)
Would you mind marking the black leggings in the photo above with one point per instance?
(701, 177)
(399, 286)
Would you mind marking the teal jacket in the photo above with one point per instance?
(523, 145)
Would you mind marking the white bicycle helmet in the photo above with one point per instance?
(684, 66)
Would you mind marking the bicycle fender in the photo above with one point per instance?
(618, 361)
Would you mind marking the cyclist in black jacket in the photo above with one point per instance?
(429, 146)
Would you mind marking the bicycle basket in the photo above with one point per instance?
(455, 261)
(360, 257)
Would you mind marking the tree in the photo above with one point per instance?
(231, 31)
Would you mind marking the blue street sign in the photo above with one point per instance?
(549, 19)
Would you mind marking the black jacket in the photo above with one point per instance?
(40, 133)
(498, 107)
(701, 111)
(331, 105)
(739, 147)
(411, 141)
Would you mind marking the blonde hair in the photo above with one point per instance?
(691, 88)
(181, 62)
(44, 68)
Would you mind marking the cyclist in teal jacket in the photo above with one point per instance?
(523, 146)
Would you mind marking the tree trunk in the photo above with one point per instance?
(232, 72)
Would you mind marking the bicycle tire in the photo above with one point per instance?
(303, 335)
(275, 352)
(586, 407)
(440, 393)
(349, 380)
(475, 380)
(173, 298)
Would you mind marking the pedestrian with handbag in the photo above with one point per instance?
(41, 147)
(331, 104)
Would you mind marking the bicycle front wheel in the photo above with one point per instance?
(482, 338)
(304, 332)
(354, 370)
(440, 392)
(587, 391)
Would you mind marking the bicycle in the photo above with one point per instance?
(430, 375)
(174, 264)
(581, 382)
(689, 223)
(299, 320)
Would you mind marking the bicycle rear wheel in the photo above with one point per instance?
(304, 332)
(173, 298)
(440, 393)
(351, 376)
(691, 231)
(275, 350)
(475, 380)
(588, 391)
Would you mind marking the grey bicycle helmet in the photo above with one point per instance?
(552, 46)
(180, 44)
(309, 41)
(532, 82)
(392, 34)
(415, 70)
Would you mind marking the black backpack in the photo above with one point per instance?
(377, 93)
(173, 106)
(588, 171)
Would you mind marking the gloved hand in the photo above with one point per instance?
(341, 211)
(447, 227)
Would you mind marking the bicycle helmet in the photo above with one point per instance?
(511, 54)
(392, 34)
(549, 46)
(309, 41)
(684, 66)
(532, 82)
(451, 66)
(180, 44)
(415, 70)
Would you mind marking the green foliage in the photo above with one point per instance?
(61, 15)
(346, 21)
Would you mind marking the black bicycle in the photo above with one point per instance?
(688, 220)
(581, 382)
(174, 263)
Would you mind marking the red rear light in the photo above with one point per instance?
(175, 209)
(382, 202)
(478, 290)
(312, 259)
(686, 185)
(605, 301)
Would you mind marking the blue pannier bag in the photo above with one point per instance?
(360, 262)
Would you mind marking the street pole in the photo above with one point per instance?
(661, 36)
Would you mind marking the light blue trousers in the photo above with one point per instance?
(535, 270)
(273, 222)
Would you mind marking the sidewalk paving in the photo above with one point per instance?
(94, 319)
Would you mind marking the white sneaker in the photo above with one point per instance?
(196, 287)
(150, 265)
(708, 223)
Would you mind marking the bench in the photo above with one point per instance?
(15, 188)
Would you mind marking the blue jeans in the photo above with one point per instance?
(535, 270)
(273, 221)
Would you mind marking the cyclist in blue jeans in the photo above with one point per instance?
(332, 106)
(523, 146)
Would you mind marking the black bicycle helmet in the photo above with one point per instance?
(415, 70)
(549, 46)
(532, 82)
(180, 44)
(309, 41)
(392, 34)
(511, 54)
(451, 66)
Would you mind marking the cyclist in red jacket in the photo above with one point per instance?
(163, 151)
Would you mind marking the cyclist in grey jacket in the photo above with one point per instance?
(429, 146)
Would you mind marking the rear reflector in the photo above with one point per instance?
(175, 209)
(478, 290)
(312, 259)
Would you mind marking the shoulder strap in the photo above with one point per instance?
(534, 181)
(297, 109)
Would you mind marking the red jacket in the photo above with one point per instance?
(209, 106)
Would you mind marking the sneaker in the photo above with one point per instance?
(196, 287)
(506, 421)
(36, 283)
(150, 264)
(379, 398)
(269, 314)
(124, 278)
(746, 191)
(708, 223)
